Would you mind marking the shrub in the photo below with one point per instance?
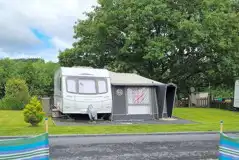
(9, 103)
(33, 112)
(16, 95)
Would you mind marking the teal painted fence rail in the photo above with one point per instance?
(228, 148)
(32, 148)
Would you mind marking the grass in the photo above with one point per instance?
(12, 123)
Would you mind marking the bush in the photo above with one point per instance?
(17, 89)
(33, 112)
(16, 95)
(9, 103)
(222, 92)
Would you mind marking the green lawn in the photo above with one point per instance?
(12, 123)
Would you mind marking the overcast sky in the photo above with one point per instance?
(39, 28)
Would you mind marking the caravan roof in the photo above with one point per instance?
(132, 79)
(84, 71)
(116, 78)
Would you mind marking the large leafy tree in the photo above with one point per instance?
(191, 43)
(37, 74)
(7, 71)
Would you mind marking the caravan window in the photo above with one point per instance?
(87, 86)
(71, 85)
(138, 96)
(102, 86)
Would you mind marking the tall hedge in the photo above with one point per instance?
(16, 95)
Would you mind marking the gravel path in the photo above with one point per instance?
(138, 151)
(150, 147)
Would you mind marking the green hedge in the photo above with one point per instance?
(11, 104)
(222, 105)
(17, 95)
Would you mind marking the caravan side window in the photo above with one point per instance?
(87, 86)
(71, 85)
(102, 86)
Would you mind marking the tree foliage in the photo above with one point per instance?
(37, 74)
(190, 43)
(16, 95)
(221, 92)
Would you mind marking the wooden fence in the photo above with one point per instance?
(203, 102)
(224, 103)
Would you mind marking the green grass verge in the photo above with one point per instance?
(12, 123)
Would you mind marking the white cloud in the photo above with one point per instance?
(60, 44)
(3, 54)
(55, 18)
(48, 55)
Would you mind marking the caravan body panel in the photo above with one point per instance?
(82, 87)
(236, 94)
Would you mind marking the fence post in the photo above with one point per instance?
(221, 126)
(209, 101)
(46, 125)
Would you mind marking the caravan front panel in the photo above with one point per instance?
(80, 92)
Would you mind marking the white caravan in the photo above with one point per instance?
(236, 94)
(77, 88)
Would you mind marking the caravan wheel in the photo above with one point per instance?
(107, 117)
